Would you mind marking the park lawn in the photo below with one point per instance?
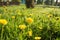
(20, 23)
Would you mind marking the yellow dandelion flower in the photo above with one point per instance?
(22, 27)
(29, 20)
(37, 38)
(30, 33)
(13, 17)
(3, 21)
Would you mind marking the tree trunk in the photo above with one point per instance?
(52, 2)
(15, 2)
(56, 2)
(39, 2)
(30, 3)
(48, 2)
(43, 2)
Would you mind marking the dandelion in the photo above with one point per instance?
(13, 17)
(3, 21)
(22, 27)
(37, 38)
(29, 20)
(30, 33)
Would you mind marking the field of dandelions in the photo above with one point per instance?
(20, 23)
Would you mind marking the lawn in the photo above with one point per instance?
(20, 23)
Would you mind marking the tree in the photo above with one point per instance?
(39, 2)
(52, 2)
(56, 2)
(30, 3)
(0, 0)
(48, 2)
(16, 2)
(23, 1)
(43, 2)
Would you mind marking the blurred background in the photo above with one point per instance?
(17, 2)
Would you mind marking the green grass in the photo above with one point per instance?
(46, 23)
